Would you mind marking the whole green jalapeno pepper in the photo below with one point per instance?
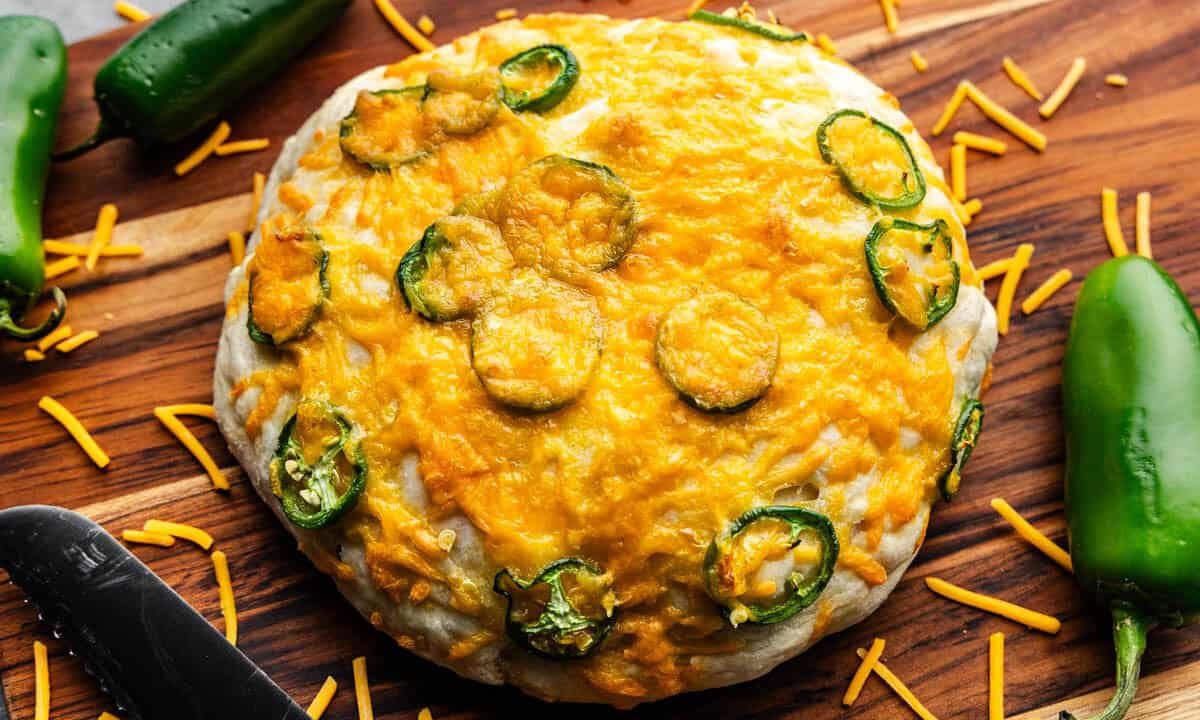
(33, 60)
(190, 66)
(1131, 396)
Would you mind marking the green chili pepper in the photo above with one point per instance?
(853, 178)
(317, 485)
(193, 63)
(34, 62)
(562, 613)
(520, 67)
(720, 565)
(966, 435)
(771, 32)
(1131, 400)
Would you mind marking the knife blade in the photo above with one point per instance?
(151, 652)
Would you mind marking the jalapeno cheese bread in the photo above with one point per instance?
(610, 359)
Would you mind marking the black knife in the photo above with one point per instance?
(157, 657)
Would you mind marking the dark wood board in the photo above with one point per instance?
(160, 317)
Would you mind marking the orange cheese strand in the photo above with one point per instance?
(260, 182)
(225, 591)
(826, 43)
(242, 146)
(108, 716)
(41, 682)
(506, 14)
(1002, 117)
(425, 25)
(899, 688)
(60, 247)
(130, 12)
(76, 430)
(105, 222)
(1008, 289)
(237, 247)
(1060, 94)
(956, 101)
(362, 689)
(75, 341)
(1116, 80)
(1016, 613)
(996, 677)
(147, 538)
(62, 333)
(890, 18)
(981, 143)
(324, 696)
(425, 714)
(32, 355)
(166, 415)
(1031, 534)
(994, 269)
(401, 25)
(181, 531)
(1020, 79)
(864, 670)
(208, 147)
(62, 266)
(918, 60)
(1142, 225)
(1112, 223)
(1052, 285)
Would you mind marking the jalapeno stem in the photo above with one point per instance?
(103, 134)
(1130, 628)
(9, 326)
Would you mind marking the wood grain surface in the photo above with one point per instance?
(160, 315)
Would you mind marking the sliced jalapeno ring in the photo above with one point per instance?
(453, 267)
(966, 435)
(287, 286)
(562, 613)
(481, 205)
(719, 351)
(461, 104)
(539, 78)
(913, 269)
(726, 566)
(771, 32)
(569, 216)
(387, 128)
(854, 150)
(318, 471)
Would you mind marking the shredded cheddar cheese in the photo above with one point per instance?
(166, 415)
(200, 154)
(996, 676)
(62, 266)
(425, 714)
(425, 25)
(918, 60)
(1116, 80)
(60, 247)
(1008, 288)
(242, 146)
(506, 14)
(1031, 534)
(981, 143)
(76, 430)
(41, 682)
(237, 247)
(899, 688)
(958, 171)
(994, 269)
(108, 716)
(105, 222)
(864, 670)
(826, 43)
(1020, 79)
(130, 12)
(956, 101)
(890, 18)
(32, 355)
(973, 207)
(1016, 613)
(181, 531)
(75, 341)
(1060, 94)
(1112, 223)
(1002, 117)
(260, 182)
(324, 696)
(148, 538)
(696, 5)
(362, 690)
(1052, 285)
(403, 26)
(225, 591)
(62, 333)
(1142, 225)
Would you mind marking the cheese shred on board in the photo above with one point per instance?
(225, 591)
(166, 415)
(76, 430)
(1008, 288)
(200, 154)
(75, 341)
(994, 269)
(401, 25)
(890, 18)
(1002, 117)
(1060, 94)
(506, 14)
(899, 688)
(237, 247)
(324, 696)
(956, 101)
(362, 689)
(1142, 225)
(242, 146)
(981, 143)
(958, 171)
(1116, 80)
(425, 25)
(32, 355)
(973, 207)
(864, 671)
(105, 222)
(1031, 534)
(62, 333)
(108, 716)
(60, 247)
(62, 266)
(181, 531)
(1052, 285)
(1112, 223)
(145, 537)
(1020, 79)
(826, 43)
(1016, 613)
(41, 682)
(425, 714)
(918, 60)
(130, 12)
(996, 676)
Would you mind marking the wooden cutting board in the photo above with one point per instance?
(160, 315)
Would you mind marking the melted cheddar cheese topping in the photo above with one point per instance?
(713, 131)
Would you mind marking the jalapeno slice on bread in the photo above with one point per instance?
(718, 351)
(568, 216)
(874, 160)
(453, 267)
(736, 564)
(387, 128)
(318, 471)
(461, 104)
(536, 343)
(564, 612)
(771, 32)
(538, 79)
(966, 435)
(287, 286)
(913, 269)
